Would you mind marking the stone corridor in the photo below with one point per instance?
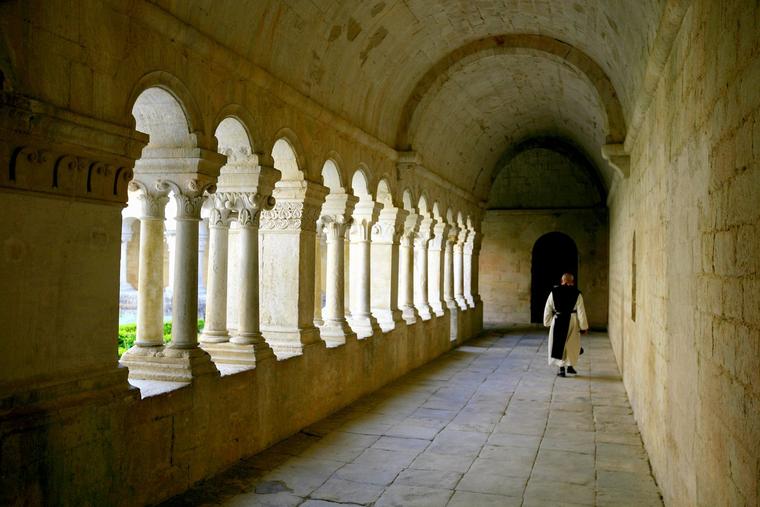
(485, 424)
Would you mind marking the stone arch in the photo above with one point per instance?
(423, 206)
(331, 176)
(171, 85)
(286, 159)
(440, 72)
(360, 184)
(158, 113)
(561, 145)
(436, 211)
(553, 254)
(384, 194)
(407, 200)
(233, 140)
(249, 123)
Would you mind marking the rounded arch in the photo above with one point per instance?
(233, 140)
(440, 72)
(561, 145)
(177, 89)
(450, 216)
(384, 194)
(553, 254)
(289, 149)
(247, 120)
(407, 200)
(158, 113)
(286, 160)
(422, 205)
(360, 183)
(436, 211)
(331, 177)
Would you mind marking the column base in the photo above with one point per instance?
(461, 303)
(454, 320)
(425, 312)
(288, 343)
(410, 315)
(470, 302)
(167, 364)
(365, 326)
(388, 319)
(209, 336)
(239, 354)
(336, 333)
(438, 309)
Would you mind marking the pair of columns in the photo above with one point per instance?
(181, 360)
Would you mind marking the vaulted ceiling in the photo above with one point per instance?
(458, 81)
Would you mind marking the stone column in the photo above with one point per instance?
(248, 338)
(362, 321)
(126, 236)
(150, 284)
(203, 239)
(448, 269)
(435, 267)
(287, 263)
(421, 270)
(475, 263)
(467, 269)
(319, 253)
(336, 219)
(215, 329)
(406, 269)
(459, 269)
(385, 267)
(233, 277)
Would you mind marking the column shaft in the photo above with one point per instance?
(150, 283)
(215, 329)
(248, 323)
(185, 290)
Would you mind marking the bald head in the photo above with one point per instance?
(568, 279)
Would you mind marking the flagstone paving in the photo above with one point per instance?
(487, 424)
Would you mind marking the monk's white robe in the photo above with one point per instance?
(578, 321)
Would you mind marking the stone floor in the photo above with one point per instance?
(488, 424)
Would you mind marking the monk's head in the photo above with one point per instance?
(568, 279)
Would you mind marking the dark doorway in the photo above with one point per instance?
(553, 255)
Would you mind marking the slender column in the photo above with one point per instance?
(435, 267)
(319, 253)
(385, 267)
(335, 222)
(203, 240)
(406, 269)
(150, 299)
(459, 269)
(362, 321)
(248, 332)
(185, 289)
(287, 264)
(472, 249)
(215, 329)
(233, 277)
(421, 270)
(467, 269)
(126, 235)
(448, 269)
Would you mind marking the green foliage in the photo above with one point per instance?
(128, 334)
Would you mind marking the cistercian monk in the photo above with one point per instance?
(565, 313)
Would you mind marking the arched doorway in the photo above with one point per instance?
(553, 255)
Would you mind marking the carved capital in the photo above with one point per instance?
(361, 230)
(334, 226)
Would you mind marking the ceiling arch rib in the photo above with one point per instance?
(500, 99)
(437, 76)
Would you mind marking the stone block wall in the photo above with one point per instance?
(689, 348)
(505, 260)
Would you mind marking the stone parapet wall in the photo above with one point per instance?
(120, 450)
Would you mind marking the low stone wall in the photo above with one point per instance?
(112, 448)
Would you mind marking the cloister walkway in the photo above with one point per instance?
(488, 424)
